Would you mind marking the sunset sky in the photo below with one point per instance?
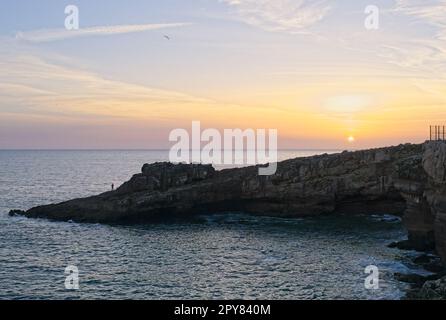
(307, 68)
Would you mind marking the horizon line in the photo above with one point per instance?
(156, 149)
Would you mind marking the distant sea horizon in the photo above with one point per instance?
(149, 149)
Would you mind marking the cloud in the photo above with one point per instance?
(40, 84)
(45, 100)
(432, 11)
(47, 35)
(425, 53)
(35, 85)
(291, 16)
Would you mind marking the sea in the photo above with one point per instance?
(224, 256)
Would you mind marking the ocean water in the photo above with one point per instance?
(226, 256)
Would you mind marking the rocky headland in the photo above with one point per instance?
(407, 180)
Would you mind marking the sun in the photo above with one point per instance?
(351, 139)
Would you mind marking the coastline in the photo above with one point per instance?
(388, 180)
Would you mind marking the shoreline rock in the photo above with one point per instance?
(425, 287)
(433, 290)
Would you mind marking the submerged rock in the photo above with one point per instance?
(14, 213)
(402, 245)
(412, 278)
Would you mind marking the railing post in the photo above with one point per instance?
(437, 133)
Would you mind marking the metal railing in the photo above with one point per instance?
(437, 133)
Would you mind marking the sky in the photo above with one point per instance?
(137, 69)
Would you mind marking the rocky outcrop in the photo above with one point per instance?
(418, 218)
(434, 163)
(362, 181)
(433, 290)
(425, 193)
(165, 176)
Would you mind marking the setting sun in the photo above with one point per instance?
(351, 139)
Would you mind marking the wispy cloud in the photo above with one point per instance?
(424, 54)
(40, 84)
(47, 35)
(292, 16)
(432, 11)
(26, 79)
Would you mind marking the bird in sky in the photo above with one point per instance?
(167, 37)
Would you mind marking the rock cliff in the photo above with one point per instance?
(351, 181)
(425, 217)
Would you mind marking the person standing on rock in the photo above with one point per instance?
(113, 187)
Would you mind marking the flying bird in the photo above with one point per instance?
(167, 37)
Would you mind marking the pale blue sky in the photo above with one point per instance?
(233, 63)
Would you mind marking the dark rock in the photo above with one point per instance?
(423, 259)
(435, 266)
(431, 263)
(402, 245)
(14, 213)
(415, 279)
(434, 290)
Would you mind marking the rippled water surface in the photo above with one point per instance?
(232, 256)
